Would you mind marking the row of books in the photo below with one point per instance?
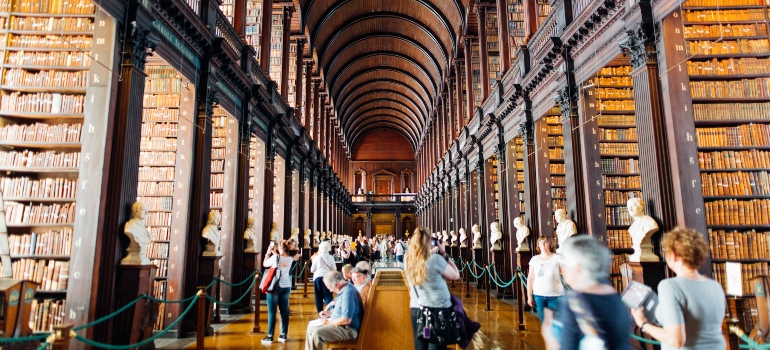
(74, 7)
(51, 41)
(617, 216)
(158, 143)
(218, 180)
(51, 242)
(555, 153)
(721, 3)
(160, 129)
(557, 168)
(731, 111)
(218, 165)
(737, 136)
(157, 250)
(50, 24)
(740, 183)
(44, 159)
(744, 88)
(616, 120)
(157, 173)
(157, 158)
(725, 30)
(218, 153)
(723, 15)
(38, 188)
(559, 203)
(163, 85)
(738, 245)
(42, 102)
(160, 72)
(729, 66)
(748, 271)
(160, 114)
(738, 212)
(158, 219)
(151, 188)
(629, 134)
(621, 181)
(159, 291)
(618, 148)
(555, 141)
(159, 233)
(157, 203)
(558, 181)
(555, 129)
(617, 261)
(216, 199)
(52, 58)
(620, 197)
(55, 213)
(613, 105)
(727, 47)
(161, 100)
(558, 192)
(41, 132)
(47, 313)
(46, 78)
(615, 70)
(620, 166)
(604, 93)
(618, 239)
(729, 160)
(49, 274)
(614, 81)
(617, 283)
(162, 267)
(219, 141)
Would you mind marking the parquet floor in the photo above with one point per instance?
(498, 326)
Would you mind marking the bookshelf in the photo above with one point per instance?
(254, 24)
(493, 49)
(557, 168)
(731, 110)
(519, 150)
(165, 131)
(228, 9)
(494, 196)
(291, 96)
(224, 164)
(543, 10)
(276, 46)
(465, 94)
(476, 69)
(516, 25)
(252, 173)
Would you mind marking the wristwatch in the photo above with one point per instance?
(642, 327)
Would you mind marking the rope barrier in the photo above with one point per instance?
(105, 318)
(165, 301)
(45, 344)
(750, 343)
(644, 340)
(239, 283)
(483, 270)
(248, 292)
(301, 271)
(142, 343)
(499, 284)
(24, 339)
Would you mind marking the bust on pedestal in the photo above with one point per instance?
(641, 230)
(138, 237)
(454, 238)
(211, 232)
(294, 234)
(308, 232)
(463, 238)
(476, 236)
(522, 232)
(566, 228)
(275, 236)
(323, 236)
(444, 236)
(316, 239)
(495, 235)
(250, 235)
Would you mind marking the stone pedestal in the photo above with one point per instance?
(522, 260)
(503, 275)
(207, 271)
(649, 273)
(135, 324)
(249, 264)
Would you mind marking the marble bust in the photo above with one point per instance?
(522, 232)
(495, 235)
(323, 235)
(250, 235)
(445, 236)
(641, 230)
(308, 232)
(295, 234)
(211, 232)
(476, 236)
(275, 236)
(463, 238)
(566, 227)
(453, 234)
(138, 237)
(316, 239)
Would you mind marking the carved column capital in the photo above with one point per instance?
(567, 98)
(141, 42)
(640, 44)
(527, 132)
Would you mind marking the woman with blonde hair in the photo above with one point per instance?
(427, 270)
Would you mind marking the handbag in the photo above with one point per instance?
(437, 325)
(468, 327)
(270, 279)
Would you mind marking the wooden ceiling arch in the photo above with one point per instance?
(383, 61)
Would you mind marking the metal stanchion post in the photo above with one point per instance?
(61, 337)
(489, 287)
(467, 282)
(520, 302)
(304, 281)
(200, 330)
(258, 294)
(217, 314)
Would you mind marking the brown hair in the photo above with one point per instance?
(417, 254)
(285, 246)
(687, 244)
(547, 239)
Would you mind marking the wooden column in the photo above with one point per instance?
(467, 42)
(542, 194)
(452, 115)
(481, 14)
(302, 223)
(267, 27)
(316, 108)
(503, 36)
(288, 10)
(459, 92)
(573, 153)
(596, 223)
(310, 95)
(321, 123)
(509, 195)
(311, 209)
(241, 213)
(288, 176)
(300, 42)
(123, 174)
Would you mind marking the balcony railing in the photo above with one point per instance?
(396, 197)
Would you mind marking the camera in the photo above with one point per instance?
(433, 242)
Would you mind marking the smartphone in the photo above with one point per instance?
(433, 242)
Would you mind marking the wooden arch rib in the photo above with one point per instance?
(377, 117)
(380, 94)
(384, 75)
(357, 134)
(365, 110)
(385, 85)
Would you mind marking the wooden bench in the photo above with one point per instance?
(388, 301)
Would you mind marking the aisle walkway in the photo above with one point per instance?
(498, 327)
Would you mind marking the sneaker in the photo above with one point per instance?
(282, 338)
(267, 340)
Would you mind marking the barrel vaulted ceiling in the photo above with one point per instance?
(383, 62)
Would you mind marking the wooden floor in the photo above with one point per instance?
(498, 326)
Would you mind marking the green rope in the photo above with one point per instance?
(105, 318)
(644, 340)
(212, 283)
(477, 265)
(483, 270)
(750, 343)
(234, 302)
(523, 280)
(301, 271)
(142, 343)
(564, 283)
(499, 284)
(165, 301)
(44, 345)
(24, 339)
(239, 283)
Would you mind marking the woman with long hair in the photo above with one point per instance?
(323, 263)
(280, 299)
(427, 270)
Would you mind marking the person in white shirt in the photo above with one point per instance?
(323, 263)
(544, 283)
(400, 250)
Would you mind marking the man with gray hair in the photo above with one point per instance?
(341, 323)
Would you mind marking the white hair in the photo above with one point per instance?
(592, 256)
(324, 247)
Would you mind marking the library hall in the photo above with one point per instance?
(384, 174)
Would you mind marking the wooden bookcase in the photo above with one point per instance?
(476, 69)
(555, 150)
(228, 9)
(543, 10)
(164, 168)
(729, 81)
(276, 46)
(516, 26)
(493, 49)
(291, 96)
(254, 24)
(518, 149)
(252, 173)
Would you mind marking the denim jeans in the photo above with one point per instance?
(323, 295)
(542, 302)
(400, 258)
(280, 300)
(419, 343)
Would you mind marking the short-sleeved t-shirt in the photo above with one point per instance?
(433, 290)
(698, 305)
(613, 316)
(284, 265)
(348, 304)
(547, 282)
(400, 248)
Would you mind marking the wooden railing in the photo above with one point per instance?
(543, 35)
(396, 197)
(225, 30)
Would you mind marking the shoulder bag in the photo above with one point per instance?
(271, 278)
(437, 325)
